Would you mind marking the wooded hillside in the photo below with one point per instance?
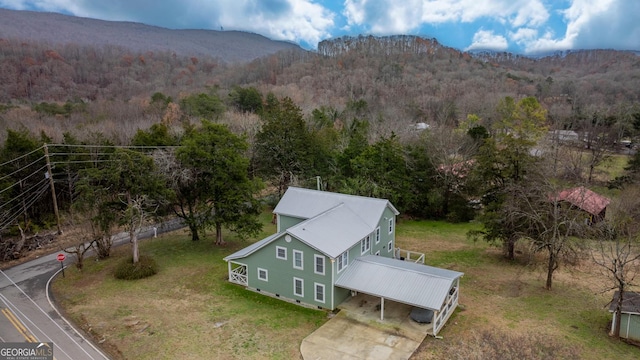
(394, 82)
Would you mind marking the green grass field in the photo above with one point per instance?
(189, 311)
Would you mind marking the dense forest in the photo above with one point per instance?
(439, 132)
(402, 80)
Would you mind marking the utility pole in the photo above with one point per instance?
(49, 175)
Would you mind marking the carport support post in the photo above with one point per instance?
(381, 308)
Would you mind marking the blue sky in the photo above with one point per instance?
(518, 26)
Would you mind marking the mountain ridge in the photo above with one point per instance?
(228, 46)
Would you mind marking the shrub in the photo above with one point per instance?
(127, 270)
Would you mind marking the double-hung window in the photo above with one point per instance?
(297, 260)
(365, 244)
(319, 293)
(343, 260)
(390, 225)
(378, 235)
(298, 286)
(318, 264)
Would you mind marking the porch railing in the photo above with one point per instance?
(408, 255)
(238, 275)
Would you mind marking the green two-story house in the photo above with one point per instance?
(329, 246)
(319, 234)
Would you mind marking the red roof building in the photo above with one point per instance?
(586, 200)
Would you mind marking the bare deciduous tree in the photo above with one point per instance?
(618, 250)
(544, 219)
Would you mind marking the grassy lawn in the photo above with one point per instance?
(189, 311)
(509, 299)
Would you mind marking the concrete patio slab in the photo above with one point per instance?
(357, 332)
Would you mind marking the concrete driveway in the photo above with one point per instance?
(357, 332)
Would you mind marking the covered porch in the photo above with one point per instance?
(238, 273)
(414, 285)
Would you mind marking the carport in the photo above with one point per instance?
(418, 285)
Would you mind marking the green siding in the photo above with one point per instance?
(630, 326)
(341, 295)
(285, 222)
(281, 272)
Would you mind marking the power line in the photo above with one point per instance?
(32, 201)
(24, 193)
(22, 168)
(29, 196)
(20, 157)
(116, 146)
(25, 178)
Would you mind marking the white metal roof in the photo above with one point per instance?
(332, 232)
(406, 282)
(307, 203)
(333, 222)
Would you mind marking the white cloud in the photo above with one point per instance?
(384, 16)
(303, 21)
(488, 40)
(46, 5)
(594, 24)
(527, 23)
(523, 35)
(392, 16)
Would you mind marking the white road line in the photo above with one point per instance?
(24, 318)
(51, 319)
(65, 319)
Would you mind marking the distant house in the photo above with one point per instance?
(565, 136)
(593, 204)
(331, 246)
(630, 318)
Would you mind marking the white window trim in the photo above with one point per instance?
(377, 235)
(301, 286)
(365, 245)
(315, 292)
(390, 246)
(266, 272)
(345, 260)
(295, 252)
(378, 253)
(315, 264)
(285, 252)
(390, 225)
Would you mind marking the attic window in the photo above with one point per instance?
(281, 253)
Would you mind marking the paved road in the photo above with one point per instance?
(28, 315)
